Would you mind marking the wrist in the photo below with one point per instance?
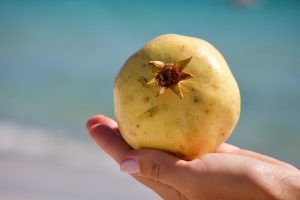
(284, 187)
(290, 187)
(275, 182)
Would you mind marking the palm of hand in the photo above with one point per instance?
(230, 173)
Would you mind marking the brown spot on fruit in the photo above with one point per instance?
(132, 133)
(143, 81)
(196, 99)
(154, 110)
(138, 126)
(146, 99)
(215, 87)
(206, 110)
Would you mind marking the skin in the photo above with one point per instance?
(229, 173)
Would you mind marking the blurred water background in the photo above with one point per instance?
(58, 60)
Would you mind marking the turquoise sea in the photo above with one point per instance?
(58, 60)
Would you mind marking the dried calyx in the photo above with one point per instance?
(169, 75)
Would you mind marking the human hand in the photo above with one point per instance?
(229, 173)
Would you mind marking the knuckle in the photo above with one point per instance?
(155, 171)
(110, 143)
(203, 163)
(180, 196)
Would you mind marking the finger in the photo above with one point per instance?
(226, 148)
(166, 192)
(110, 141)
(157, 165)
(101, 119)
(262, 157)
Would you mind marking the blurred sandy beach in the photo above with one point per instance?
(39, 166)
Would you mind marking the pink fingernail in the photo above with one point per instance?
(95, 125)
(130, 166)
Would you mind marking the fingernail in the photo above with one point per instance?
(94, 126)
(130, 166)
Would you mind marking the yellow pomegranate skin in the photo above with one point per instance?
(187, 127)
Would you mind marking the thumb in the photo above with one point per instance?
(156, 165)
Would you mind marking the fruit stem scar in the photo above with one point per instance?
(169, 75)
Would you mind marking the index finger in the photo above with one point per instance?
(226, 148)
(104, 133)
